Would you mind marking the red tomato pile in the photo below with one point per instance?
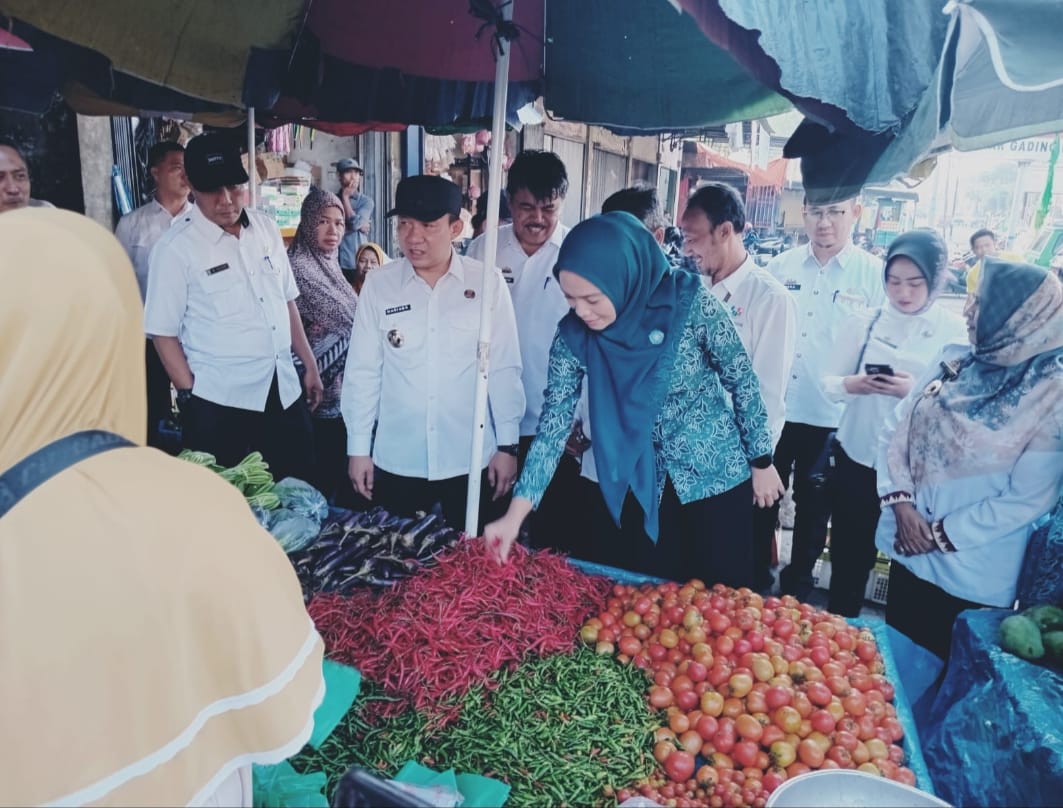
(763, 689)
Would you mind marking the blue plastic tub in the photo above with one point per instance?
(911, 746)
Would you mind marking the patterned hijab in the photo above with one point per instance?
(999, 401)
(927, 250)
(616, 253)
(326, 300)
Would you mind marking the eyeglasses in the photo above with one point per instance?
(834, 214)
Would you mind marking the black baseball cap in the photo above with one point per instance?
(213, 161)
(426, 198)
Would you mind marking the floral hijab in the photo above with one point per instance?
(999, 401)
(326, 301)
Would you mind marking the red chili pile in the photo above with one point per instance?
(431, 637)
(762, 689)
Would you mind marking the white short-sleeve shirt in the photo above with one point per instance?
(226, 299)
(539, 304)
(412, 368)
(826, 295)
(765, 316)
(138, 231)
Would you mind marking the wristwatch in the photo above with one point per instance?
(183, 397)
(761, 462)
(510, 449)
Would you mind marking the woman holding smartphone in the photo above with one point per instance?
(882, 351)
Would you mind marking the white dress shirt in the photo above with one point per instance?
(826, 295)
(539, 305)
(226, 299)
(411, 369)
(139, 230)
(907, 342)
(765, 317)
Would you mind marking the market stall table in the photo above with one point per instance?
(996, 725)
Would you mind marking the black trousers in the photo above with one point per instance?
(799, 448)
(158, 395)
(765, 520)
(854, 517)
(923, 612)
(330, 460)
(710, 539)
(405, 495)
(284, 436)
(559, 521)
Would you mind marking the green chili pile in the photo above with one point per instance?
(560, 730)
(364, 738)
(569, 729)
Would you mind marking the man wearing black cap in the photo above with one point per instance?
(221, 311)
(357, 211)
(831, 278)
(411, 368)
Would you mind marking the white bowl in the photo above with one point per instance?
(843, 788)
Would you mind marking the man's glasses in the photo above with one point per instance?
(834, 214)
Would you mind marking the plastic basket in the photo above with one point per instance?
(821, 573)
(878, 580)
(915, 760)
(878, 585)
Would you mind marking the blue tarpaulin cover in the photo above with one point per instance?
(995, 734)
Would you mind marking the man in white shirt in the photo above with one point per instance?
(221, 311)
(830, 279)
(527, 251)
(412, 365)
(763, 312)
(137, 232)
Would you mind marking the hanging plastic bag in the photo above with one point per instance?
(293, 531)
(303, 498)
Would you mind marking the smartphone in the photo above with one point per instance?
(361, 789)
(872, 369)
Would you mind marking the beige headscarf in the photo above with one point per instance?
(153, 638)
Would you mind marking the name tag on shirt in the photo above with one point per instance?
(507, 273)
(217, 269)
(398, 309)
(793, 286)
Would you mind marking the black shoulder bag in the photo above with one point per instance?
(59, 455)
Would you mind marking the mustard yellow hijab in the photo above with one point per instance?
(153, 638)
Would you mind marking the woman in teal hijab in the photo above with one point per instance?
(676, 410)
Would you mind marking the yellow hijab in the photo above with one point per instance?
(153, 637)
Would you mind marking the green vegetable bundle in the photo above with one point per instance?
(1035, 634)
(251, 476)
(564, 730)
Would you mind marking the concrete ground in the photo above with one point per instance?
(819, 596)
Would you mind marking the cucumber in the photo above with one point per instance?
(1020, 635)
(1053, 642)
(1047, 617)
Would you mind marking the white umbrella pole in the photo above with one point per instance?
(252, 164)
(483, 352)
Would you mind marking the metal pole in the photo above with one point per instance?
(487, 292)
(252, 166)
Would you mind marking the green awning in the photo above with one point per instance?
(639, 65)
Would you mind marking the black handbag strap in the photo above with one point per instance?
(46, 462)
(867, 339)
